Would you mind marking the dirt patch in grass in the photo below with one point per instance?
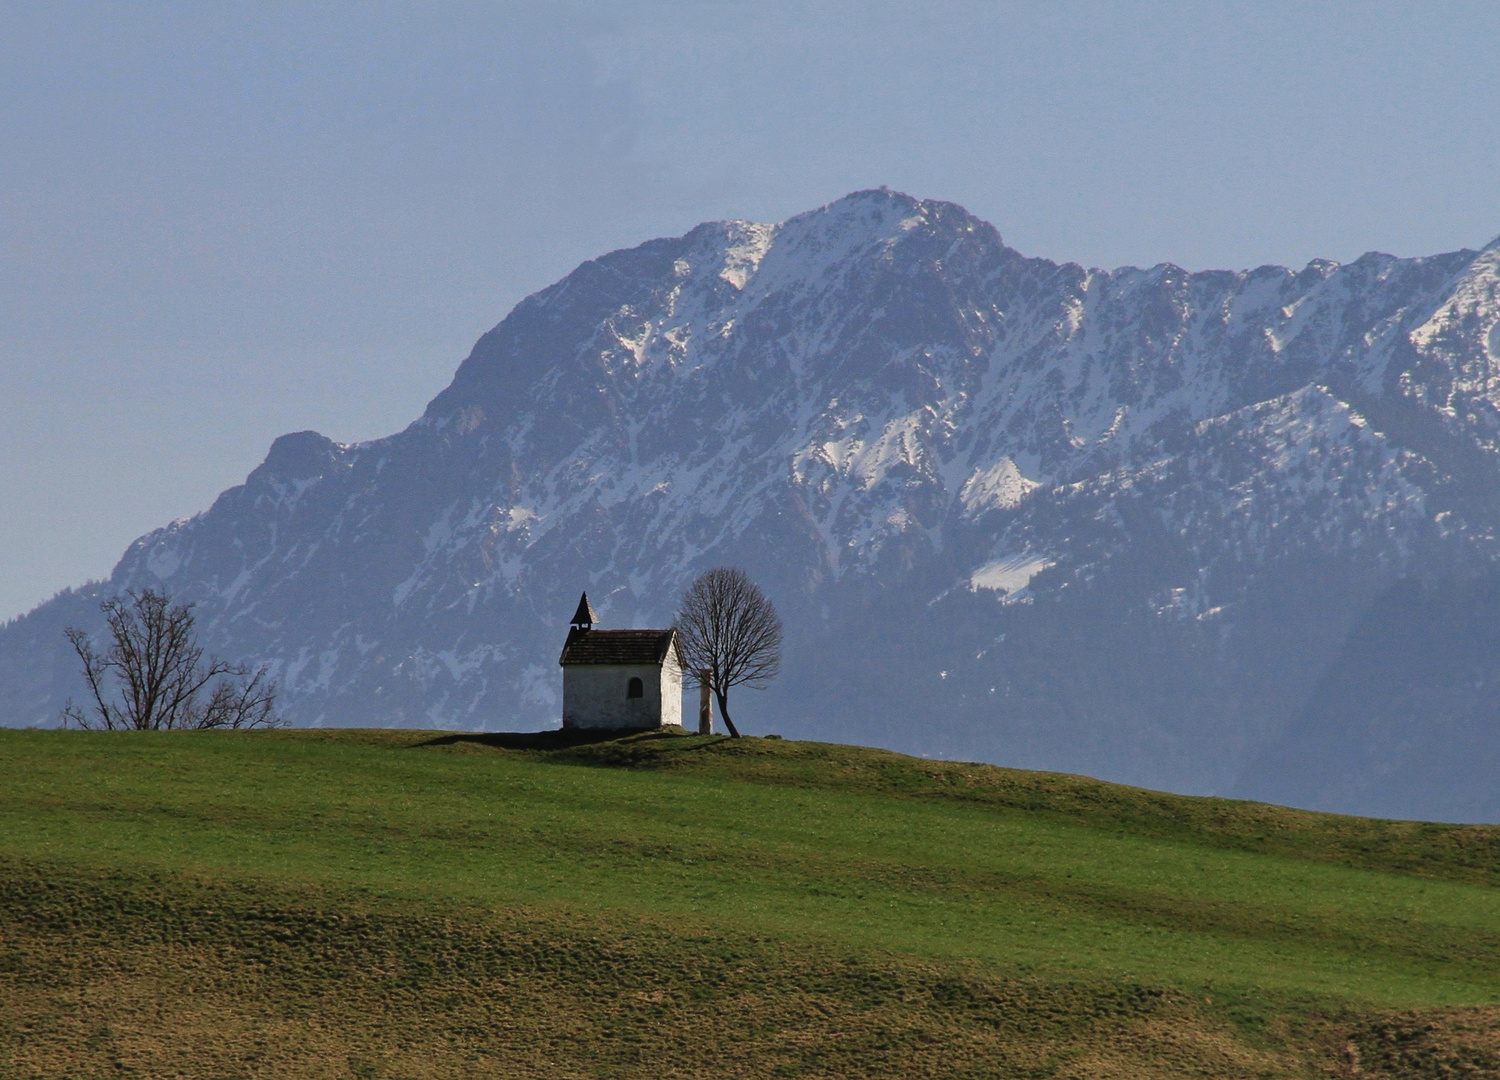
(1430, 1043)
(113, 975)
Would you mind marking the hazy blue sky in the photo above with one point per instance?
(221, 222)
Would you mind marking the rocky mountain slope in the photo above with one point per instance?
(1120, 523)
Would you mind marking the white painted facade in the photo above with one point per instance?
(597, 695)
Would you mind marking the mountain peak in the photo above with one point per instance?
(883, 214)
(301, 455)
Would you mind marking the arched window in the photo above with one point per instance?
(635, 688)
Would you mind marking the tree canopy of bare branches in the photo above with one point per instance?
(729, 633)
(154, 677)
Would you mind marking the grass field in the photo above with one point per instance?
(410, 904)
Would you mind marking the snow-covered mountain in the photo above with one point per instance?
(1117, 522)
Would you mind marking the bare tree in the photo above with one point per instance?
(729, 633)
(164, 681)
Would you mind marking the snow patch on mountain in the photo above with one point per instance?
(1001, 486)
(1009, 575)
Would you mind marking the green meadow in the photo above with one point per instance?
(411, 903)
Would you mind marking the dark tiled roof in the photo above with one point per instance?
(618, 647)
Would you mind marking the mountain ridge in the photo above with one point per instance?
(1114, 522)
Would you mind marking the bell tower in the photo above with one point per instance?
(584, 618)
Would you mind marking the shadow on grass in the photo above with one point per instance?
(570, 739)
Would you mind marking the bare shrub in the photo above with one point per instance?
(154, 677)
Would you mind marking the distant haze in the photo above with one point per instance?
(220, 223)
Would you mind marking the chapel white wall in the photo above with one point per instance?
(594, 695)
(671, 690)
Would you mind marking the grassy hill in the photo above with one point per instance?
(410, 904)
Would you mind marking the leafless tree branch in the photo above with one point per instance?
(164, 682)
(727, 627)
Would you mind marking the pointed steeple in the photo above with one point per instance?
(584, 618)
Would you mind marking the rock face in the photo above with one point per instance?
(1120, 523)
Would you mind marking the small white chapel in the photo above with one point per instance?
(619, 679)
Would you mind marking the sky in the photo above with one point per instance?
(222, 222)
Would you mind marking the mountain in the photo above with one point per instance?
(1113, 522)
(1410, 703)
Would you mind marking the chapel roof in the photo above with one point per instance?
(618, 647)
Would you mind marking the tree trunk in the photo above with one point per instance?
(723, 696)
